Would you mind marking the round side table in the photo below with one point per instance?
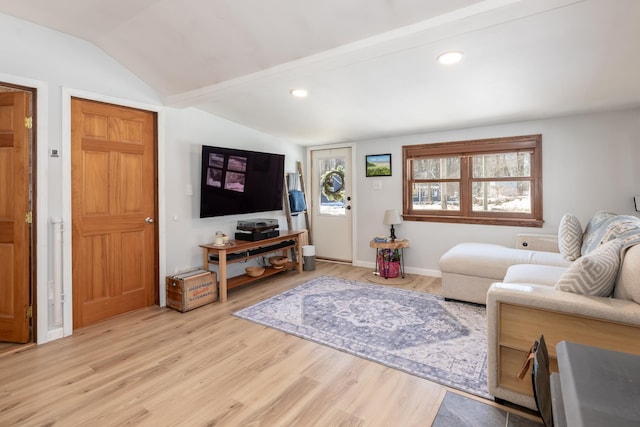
(395, 244)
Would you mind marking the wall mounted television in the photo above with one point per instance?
(240, 181)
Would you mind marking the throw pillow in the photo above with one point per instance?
(628, 281)
(570, 237)
(593, 274)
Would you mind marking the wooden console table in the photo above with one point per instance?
(240, 250)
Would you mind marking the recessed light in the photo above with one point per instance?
(299, 93)
(449, 58)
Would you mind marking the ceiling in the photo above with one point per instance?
(369, 65)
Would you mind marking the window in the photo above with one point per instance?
(491, 181)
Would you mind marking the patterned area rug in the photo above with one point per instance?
(412, 331)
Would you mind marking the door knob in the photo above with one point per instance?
(148, 220)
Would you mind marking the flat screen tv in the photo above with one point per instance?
(240, 181)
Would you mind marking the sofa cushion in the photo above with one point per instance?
(534, 274)
(628, 282)
(593, 274)
(492, 261)
(570, 237)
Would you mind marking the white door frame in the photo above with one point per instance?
(354, 195)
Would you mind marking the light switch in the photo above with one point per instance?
(189, 190)
(376, 184)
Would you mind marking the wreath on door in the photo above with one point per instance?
(333, 184)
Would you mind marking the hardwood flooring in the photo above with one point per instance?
(159, 367)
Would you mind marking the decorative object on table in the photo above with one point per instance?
(392, 217)
(278, 261)
(254, 271)
(218, 240)
(389, 263)
(416, 332)
(378, 165)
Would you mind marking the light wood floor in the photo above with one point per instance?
(159, 367)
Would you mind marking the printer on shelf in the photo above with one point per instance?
(257, 229)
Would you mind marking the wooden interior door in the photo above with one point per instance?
(15, 227)
(114, 193)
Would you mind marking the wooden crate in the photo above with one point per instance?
(190, 290)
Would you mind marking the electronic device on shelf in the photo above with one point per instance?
(257, 229)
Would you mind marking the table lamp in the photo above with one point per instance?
(392, 217)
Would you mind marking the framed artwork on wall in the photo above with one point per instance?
(378, 164)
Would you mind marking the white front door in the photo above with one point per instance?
(331, 185)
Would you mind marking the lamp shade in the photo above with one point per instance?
(392, 217)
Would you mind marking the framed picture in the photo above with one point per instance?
(378, 164)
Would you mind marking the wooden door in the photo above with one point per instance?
(331, 203)
(114, 193)
(15, 228)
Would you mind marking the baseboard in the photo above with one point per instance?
(410, 270)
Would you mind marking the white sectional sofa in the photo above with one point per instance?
(469, 269)
(581, 293)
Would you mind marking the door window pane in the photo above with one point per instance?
(332, 186)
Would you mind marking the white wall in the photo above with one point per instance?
(186, 131)
(59, 65)
(590, 163)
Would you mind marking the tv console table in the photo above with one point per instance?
(240, 250)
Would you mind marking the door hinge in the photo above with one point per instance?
(29, 312)
(28, 122)
(28, 217)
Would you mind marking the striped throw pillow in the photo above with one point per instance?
(593, 274)
(570, 237)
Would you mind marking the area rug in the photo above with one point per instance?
(415, 332)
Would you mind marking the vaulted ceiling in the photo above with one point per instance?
(369, 65)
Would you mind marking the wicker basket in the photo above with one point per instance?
(254, 271)
(278, 261)
(388, 269)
